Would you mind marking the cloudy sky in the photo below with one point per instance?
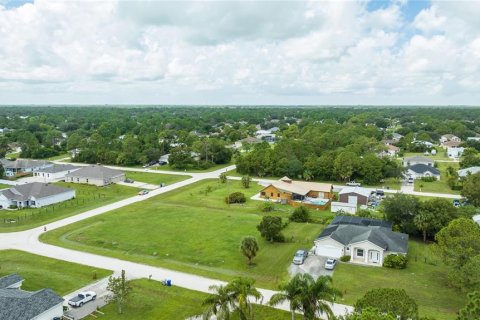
(249, 52)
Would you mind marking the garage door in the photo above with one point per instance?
(329, 251)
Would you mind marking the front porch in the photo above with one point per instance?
(364, 256)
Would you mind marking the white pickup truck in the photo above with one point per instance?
(353, 184)
(82, 298)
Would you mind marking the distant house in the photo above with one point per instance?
(164, 159)
(295, 193)
(450, 144)
(392, 150)
(366, 241)
(17, 304)
(354, 195)
(248, 140)
(473, 139)
(455, 152)
(462, 173)
(427, 144)
(420, 170)
(449, 137)
(266, 135)
(396, 137)
(17, 166)
(95, 175)
(55, 172)
(35, 194)
(410, 161)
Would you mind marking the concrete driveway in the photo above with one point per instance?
(314, 265)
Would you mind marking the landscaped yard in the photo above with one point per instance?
(41, 272)
(87, 198)
(439, 186)
(191, 231)
(154, 178)
(151, 300)
(425, 279)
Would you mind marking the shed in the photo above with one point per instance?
(354, 195)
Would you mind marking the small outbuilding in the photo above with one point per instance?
(354, 195)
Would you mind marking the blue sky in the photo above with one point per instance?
(232, 52)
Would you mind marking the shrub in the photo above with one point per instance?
(300, 214)
(364, 213)
(246, 182)
(13, 206)
(395, 261)
(236, 197)
(223, 177)
(345, 258)
(429, 179)
(267, 206)
(270, 228)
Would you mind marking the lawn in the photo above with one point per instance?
(425, 280)
(441, 155)
(151, 300)
(87, 198)
(191, 231)
(41, 272)
(154, 178)
(439, 186)
(4, 186)
(60, 156)
(212, 168)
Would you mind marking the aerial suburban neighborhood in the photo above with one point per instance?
(239, 160)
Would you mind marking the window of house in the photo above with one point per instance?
(271, 194)
(278, 195)
(359, 252)
(87, 180)
(78, 179)
(263, 193)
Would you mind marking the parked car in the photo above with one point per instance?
(353, 184)
(330, 264)
(410, 180)
(380, 194)
(129, 181)
(300, 256)
(152, 163)
(143, 192)
(82, 298)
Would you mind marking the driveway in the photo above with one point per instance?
(314, 265)
(100, 288)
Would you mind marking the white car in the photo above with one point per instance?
(82, 298)
(353, 184)
(330, 264)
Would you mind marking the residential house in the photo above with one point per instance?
(462, 173)
(266, 135)
(396, 137)
(55, 172)
(427, 144)
(35, 194)
(248, 140)
(19, 166)
(354, 195)
(455, 152)
(450, 144)
(17, 304)
(367, 241)
(95, 175)
(449, 137)
(476, 138)
(164, 159)
(391, 150)
(297, 193)
(410, 161)
(420, 170)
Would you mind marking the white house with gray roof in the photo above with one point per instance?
(17, 304)
(14, 167)
(366, 241)
(463, 173)
(55, 173)
(410, 161)
(35, 194)
(95, 175)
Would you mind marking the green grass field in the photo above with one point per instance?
(439, 186)
(87, 198)
(4, 186)
(154, 178)
(426, 282)
(169, 168)
(152, 301)
(41, 272)
(441, 155)
(193, 232)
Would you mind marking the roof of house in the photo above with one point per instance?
(7, 281)
(382, 236)
(300, 187)
(418, 159)
(23, 163)
(59, 168)
(451, 143)
(393, 148)
(23, 305)
(35, 190)
(360, 221)
(95, 172)
(466, 171)
(358, 190)
(449, 136)
(422, 168)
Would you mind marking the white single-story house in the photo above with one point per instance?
(449, 137)
(35, 194)
(366, 241)
(410, 161)
(19, 304)
(473, 139)
(13, 167)
(396, 136)
(164, 159)
(95, 175)
(462, 173)
(455, 152)
(346, 207)
(419, 171)
(55, 172)
(248, 140)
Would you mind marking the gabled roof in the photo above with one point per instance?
(59, 168)
(23, 163)
(418, 159)
(7, 281)
(466, 171)
(95, 172)
(358, 190)
(360, 221)
(37, 190)
(422, 168)
(451, 143)
(300, 187)
(22, 305)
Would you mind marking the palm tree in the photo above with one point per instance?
(292, 292)
(241, 290)
(249, 248)
(318, 297)
(219, 303)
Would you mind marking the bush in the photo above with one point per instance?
(13, 206)
(345, 258)
(271, 229)
(267, 206)
(236, 197)
(429, 179)
(246, 182)
(300, 214)
(223, 177)
(395, 261)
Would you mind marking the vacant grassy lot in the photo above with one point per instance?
(87, 198)
(439, 186)
(425, 279)
(212, 168)
(441, 155)
(151, 300)
(41, 272)
(193, 230)
(154, 178)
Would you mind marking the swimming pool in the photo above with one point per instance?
(319, 202)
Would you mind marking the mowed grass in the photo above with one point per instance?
(191, 231)
(4, 186)
(439, 186)
(87, 197)
(425, 280)
(40, 272)
(154, 178)
(170, 168)
(152, 301)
